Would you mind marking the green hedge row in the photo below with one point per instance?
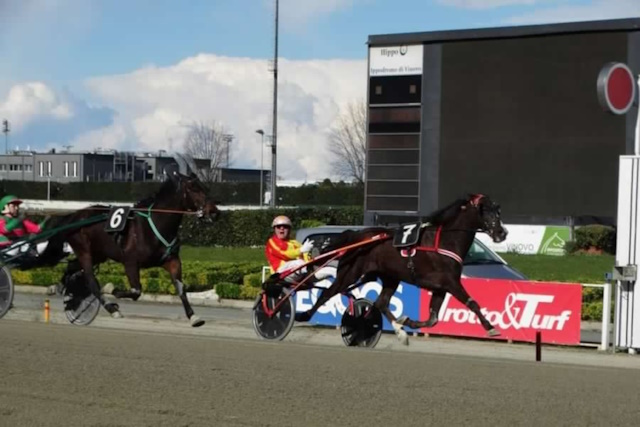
(253, 227)
(197, 276)
(593, 237)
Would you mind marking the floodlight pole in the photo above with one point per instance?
(274, 132)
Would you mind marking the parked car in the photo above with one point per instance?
(480, 261)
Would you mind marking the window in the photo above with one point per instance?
(75, 169)
(3, 167)
(28, 168)
(66, 168)
(41, 168)
(48, 168)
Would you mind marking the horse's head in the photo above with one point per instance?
(489, 216)
(195, 197)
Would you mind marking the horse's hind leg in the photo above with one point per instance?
(132, 271)
(382, 303)
(437, 298)
(86, 264)
(174, 267)
(339, 284)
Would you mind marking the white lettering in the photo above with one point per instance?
(512, 316)
(337, 305)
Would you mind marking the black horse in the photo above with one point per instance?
(436, 265)
(149, 239)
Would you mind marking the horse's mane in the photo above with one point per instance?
(443, 215)
(166, 189)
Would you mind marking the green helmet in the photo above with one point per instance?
(9, 198)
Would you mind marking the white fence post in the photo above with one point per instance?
(606, 312)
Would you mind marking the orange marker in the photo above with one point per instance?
(46, 311)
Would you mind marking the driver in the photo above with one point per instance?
(13, 225)
(283, 252)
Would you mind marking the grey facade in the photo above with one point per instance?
(510, 112)
(104, 166)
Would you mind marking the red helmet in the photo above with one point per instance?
(281, 220)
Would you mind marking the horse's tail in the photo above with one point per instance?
(349, 237)
(60, 228)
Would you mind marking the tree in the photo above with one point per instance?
(347, 142)
(207, 142)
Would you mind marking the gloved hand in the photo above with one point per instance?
(306, 246)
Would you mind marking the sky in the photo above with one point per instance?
(134, 74)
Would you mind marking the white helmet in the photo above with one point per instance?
(281, 220)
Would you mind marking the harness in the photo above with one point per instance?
(411, 251)
(437, 249)
(169, 245)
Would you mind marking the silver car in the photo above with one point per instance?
(480, 261)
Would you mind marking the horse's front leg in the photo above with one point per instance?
(456, 289)
(459, 293)
(174, 267)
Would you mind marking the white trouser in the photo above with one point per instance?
(40, 247)
(320, 274)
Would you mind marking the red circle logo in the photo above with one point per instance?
(616, 88)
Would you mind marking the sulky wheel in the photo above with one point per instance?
(277, 325)
(6, 291)
(80, 305)
(361, 325)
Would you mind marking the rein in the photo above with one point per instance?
(156, 232)
(106, 208)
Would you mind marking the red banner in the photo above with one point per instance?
(517, 309)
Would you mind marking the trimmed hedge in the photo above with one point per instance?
(590, 237)
(197, 276)
(253, 227)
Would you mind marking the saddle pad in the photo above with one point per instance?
(407, 234)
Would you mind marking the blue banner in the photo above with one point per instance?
(406, 301)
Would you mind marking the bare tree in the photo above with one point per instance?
(207, 142)
(347, 142)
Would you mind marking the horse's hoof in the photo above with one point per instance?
(302, 317)
(493, 332)
(403, 337)
(108, 289)
(196, 321)
(116, 315)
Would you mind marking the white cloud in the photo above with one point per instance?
(486, 4)
(108, 137)
(28, 101)
(596, 10)
(296, 14)
(155, 104)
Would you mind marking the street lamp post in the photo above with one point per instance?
(261, 133)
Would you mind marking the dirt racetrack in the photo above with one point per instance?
(62, 375)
